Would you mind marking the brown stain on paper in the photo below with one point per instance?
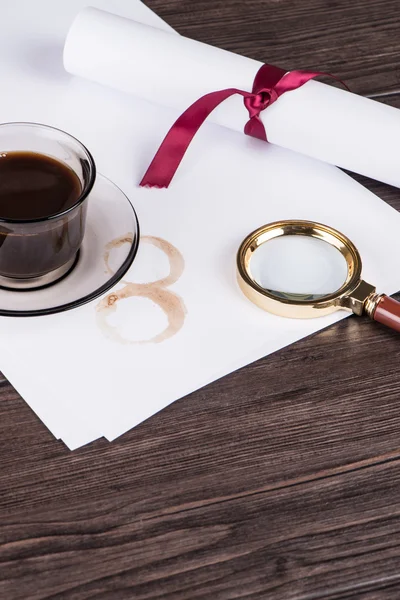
(156, 291)
(117, 243)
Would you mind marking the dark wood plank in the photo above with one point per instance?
(290, 542)
(279, 481)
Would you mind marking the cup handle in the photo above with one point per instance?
(387, 312)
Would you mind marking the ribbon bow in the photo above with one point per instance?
(269, 84)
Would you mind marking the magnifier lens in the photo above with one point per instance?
(298, 267)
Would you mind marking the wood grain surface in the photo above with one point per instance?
(281, 481)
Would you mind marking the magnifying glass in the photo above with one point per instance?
(302, 269)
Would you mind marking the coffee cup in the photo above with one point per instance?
(46, 176)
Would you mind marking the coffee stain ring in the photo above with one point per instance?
(156, 291)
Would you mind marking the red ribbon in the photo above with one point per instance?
(269, 84)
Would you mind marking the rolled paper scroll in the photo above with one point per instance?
(317, 119)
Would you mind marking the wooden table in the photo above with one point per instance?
(282, 480)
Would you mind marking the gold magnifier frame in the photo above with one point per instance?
(354, 295)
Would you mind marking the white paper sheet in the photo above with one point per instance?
(230, 185)
(318, 120)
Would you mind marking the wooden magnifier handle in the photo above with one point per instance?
(387, 312)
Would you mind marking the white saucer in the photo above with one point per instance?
(108, 250)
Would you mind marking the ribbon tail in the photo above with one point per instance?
(255, 128)
(176, 142)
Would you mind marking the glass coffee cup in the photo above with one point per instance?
(40, 233)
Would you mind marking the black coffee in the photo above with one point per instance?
(34, 186)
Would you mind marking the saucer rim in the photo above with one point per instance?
(114, 279)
